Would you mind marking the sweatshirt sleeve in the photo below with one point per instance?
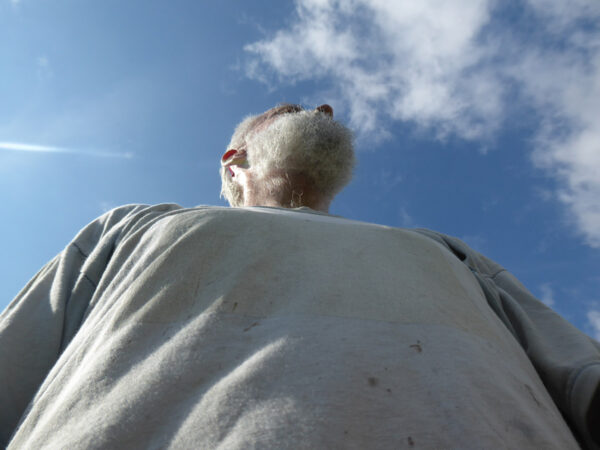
(567, 360)
(40, 322)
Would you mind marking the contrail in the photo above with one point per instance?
(20, 147)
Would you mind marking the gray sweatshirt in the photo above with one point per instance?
(245, 328)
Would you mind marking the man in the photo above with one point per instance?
(273, 324)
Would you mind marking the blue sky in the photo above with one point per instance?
(476, 118)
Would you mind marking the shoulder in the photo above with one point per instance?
(471, 258)
(116, 221)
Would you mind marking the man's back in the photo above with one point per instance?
(263, 327)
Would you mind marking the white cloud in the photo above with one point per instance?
(457, 68)
(561, 14)
(547, 294)
(594, 321)
(22, 147)
(408, 61)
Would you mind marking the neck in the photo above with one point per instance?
(286, 190)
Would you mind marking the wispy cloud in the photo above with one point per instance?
(106, 206)
(594, 321)
(475, 241)
(406, 220)
(458, 68)
(547, 294)
(21, 147)
(112, 123)
(388, 179)
(404, 60)
(44, 68)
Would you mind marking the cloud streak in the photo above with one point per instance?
(32, 148)
(463, 68)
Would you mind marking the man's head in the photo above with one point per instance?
(287, 157)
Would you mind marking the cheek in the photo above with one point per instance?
(237, 175)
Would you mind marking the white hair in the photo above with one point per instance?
(310, 143)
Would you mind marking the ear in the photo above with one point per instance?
(326, 109)
(227, 155)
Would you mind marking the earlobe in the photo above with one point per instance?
(234, 158)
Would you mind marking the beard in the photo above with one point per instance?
(230, 189)
(309, 143)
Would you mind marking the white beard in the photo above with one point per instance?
(306, 142)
